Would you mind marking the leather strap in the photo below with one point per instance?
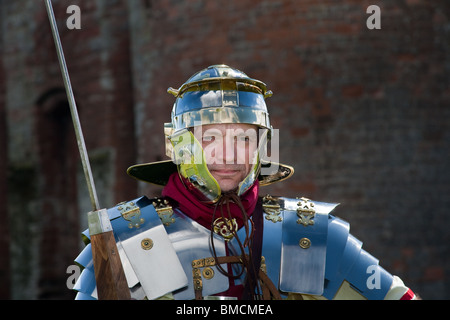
(258, 225)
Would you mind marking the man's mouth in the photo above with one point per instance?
(224, 172)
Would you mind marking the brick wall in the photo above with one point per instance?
(362, 113)
(4, 221)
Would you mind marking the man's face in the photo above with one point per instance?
(229, 151)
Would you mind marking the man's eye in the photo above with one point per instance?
(243, 138)
(208, 138)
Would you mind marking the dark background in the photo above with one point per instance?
(364, 118)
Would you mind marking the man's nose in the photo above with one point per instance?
(229, 149)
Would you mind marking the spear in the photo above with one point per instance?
(109, 274)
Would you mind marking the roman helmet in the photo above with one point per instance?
(215, 95)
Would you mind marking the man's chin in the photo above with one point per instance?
(226, 190)
(227, 185)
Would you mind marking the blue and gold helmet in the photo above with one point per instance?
(215, 95)
(220, 94)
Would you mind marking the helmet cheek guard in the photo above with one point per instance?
(190, 159)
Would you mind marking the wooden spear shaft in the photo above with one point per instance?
(109, 274)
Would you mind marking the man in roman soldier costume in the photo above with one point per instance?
(210, 235)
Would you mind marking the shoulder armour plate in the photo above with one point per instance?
(304, 245)
(348, 263)
(147, 254)
(295, 243)
(317, 255)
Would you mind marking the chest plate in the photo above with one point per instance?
(191, 242)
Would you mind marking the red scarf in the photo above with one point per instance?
(203, 212)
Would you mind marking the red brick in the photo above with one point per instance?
(434, 273)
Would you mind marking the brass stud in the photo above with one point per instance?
(208, 273)
(304, 243)
(147, 244)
